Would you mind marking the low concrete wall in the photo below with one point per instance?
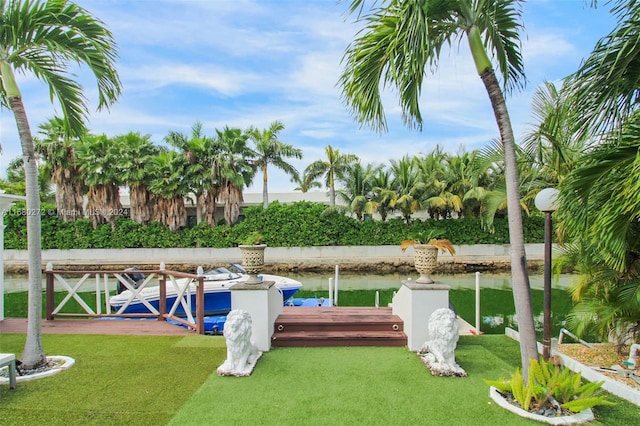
(289, 257)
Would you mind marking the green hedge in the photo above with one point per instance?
(300, 224)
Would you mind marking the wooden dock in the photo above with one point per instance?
(151, 327)
(296, 326)
(338, 326)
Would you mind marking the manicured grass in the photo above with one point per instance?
(128, 380)
(16, 304)
(141, 380)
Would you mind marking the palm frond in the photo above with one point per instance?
(606, 88)
(501, 23)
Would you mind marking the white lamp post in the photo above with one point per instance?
(546, 202)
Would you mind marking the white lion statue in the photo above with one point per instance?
(438, 352)
(242, 354)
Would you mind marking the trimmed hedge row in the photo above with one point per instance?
(300, 224)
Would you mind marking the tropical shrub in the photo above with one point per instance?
(551, 385)
(300, 224)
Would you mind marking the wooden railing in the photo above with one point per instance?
(106, 283)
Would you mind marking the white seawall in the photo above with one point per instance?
(329, 255)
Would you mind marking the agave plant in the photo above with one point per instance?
(550, 384)
(429, 237)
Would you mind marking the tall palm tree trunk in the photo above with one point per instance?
(96, 204)
(67, 194)
(210, 206)
(265, 189)
(104, 204)
(232, 197)
(332, 196)
(158, 203)
(33, 354)
(78, 191)
(177, 213)
(332, 190)
(200, 206)
(140, 204)
(519, 274)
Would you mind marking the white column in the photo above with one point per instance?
(264, 303)
(6, 201)
(2, 266)
(415, 303)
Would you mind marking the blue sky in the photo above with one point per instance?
(247, 63)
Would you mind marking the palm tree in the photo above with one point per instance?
(137, 152)
(400, 39)
(305, 183)
(437, 200)
(98, 160)
(15, 184)
(463, 176)
(357, 189)
(605, 88)
(406, 184)
(333, 168)
(431, 168)
(272, 151)
(492, 195)
(383, 194)
(170, 188)
(56, 147)
(47, 39)
(199, 150)
(599, 213)
(233, 169)
(599, 207)
(555, 142)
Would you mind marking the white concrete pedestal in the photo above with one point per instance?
(415, 303)
(264, 303)
(6, 201)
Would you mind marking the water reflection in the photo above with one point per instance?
(357, 281)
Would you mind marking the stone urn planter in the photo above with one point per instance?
(425, 255)
(253, 260)
(425, 258)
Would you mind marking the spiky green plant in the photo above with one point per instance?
(548, 384)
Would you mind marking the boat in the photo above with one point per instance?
(217, 293)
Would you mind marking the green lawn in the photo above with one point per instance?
(142, 380)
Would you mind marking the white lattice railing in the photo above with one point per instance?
(105, 284)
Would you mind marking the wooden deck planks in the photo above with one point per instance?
(338, 326)
(92, 326)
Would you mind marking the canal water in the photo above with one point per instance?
(360, 281)
(366, 281)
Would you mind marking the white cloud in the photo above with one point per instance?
(224, 81)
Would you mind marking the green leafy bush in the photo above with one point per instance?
(300, 224)
(551, 385)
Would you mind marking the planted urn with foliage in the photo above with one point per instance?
(426, 245)
(252, 252)
(550, 390)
